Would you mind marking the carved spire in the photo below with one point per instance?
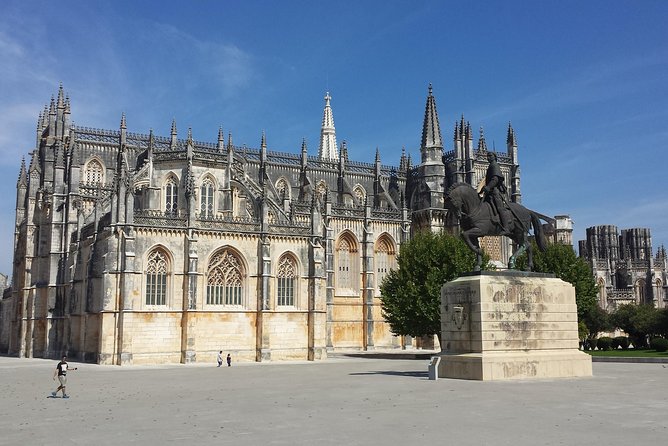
(61, 97)
(304, 157)
(190, 146)
(52, 106)
(172, 143)
(403, 162)
(377, 156)
(482, 144)
(263, 148)
(511, 141)
(151, 143)
(34, 162)
(221, 139)
(23, 176)
(431, 130)
(229, 141)
(123, 131)
(328, 147)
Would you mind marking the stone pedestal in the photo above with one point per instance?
(510, 325)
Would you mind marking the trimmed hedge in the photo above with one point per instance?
(604, 343)
(620, 341)
(659, 344)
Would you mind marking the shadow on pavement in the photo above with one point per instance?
(412, 374)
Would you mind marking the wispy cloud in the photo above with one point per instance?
(594, 83)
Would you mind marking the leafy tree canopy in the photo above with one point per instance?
(638, 321)
(560, 259)
(411, 295)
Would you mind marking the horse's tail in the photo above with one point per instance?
(541, 241)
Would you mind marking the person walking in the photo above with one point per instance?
(61, 371)
(229, 360)
(220, 358)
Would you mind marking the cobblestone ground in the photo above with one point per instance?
(360, 401)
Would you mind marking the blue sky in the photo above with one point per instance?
(585, 85)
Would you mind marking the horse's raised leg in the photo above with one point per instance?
(471, 239)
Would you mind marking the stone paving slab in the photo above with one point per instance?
(341, 401)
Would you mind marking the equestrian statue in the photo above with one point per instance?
(487, 212)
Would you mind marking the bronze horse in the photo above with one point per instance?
(475, 220)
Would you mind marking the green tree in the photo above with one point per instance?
(662, 323)
(597, 320)
(560, 259)
(639, 321)
(411, 294)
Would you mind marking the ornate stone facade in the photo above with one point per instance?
(134, 248)
(624, 266)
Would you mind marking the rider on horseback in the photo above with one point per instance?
(494, 192)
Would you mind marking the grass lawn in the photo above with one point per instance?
(629, 353)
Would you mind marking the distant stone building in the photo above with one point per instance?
(624, 266)
(135, 248)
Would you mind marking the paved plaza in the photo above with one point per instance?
(341, 401)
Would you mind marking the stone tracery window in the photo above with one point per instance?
(360, 194)
(171, 196)
(94, 173)
(286, 276)
(224, 280)
(346, 264)
(385, 258)
(321, 190)
(283, 188)
(156, 278)
(206, 198)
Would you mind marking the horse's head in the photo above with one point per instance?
(461, 198)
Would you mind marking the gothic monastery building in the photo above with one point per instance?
(140, 249)
(624, 267)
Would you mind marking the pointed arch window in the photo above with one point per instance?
(347, 275)
(640, 291)
(156, 278)
(360, 194)
(94, 173)
(385, 259)
(321, 190)
(206, 198)
(171, 197)
(286, 277)
(224, 280)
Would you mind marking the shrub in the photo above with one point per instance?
(639, 342)
(620, 341)
(604, 343)
(591, 344)
(659, 344)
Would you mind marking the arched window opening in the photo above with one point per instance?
(94, 174)
(206, 198)
(385, 259)
(640, 291)
(286, 276)
(321, 190)
(171, 197)
(283, 189)
(360, 194)
(224, 280)
(156, 278)
(347, 275)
